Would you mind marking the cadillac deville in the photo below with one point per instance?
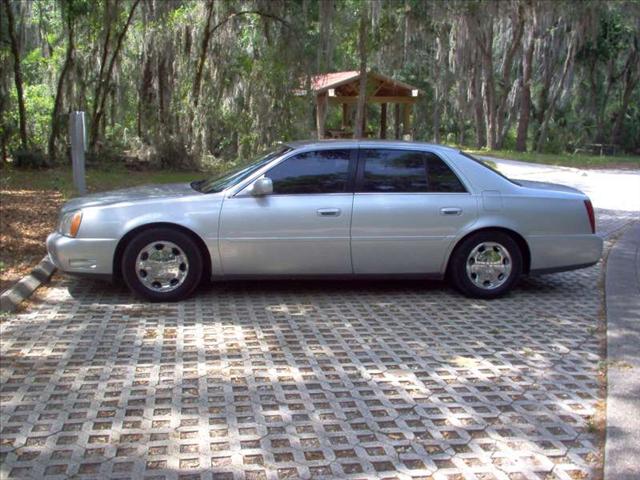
(331, 209)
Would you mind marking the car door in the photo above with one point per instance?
(302, 228)
(408, 207)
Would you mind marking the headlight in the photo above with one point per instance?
(70, 223)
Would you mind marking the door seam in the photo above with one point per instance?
(353, 198)
(224, 199)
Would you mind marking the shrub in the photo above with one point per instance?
(29, 159)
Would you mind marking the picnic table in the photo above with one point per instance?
(598, 149)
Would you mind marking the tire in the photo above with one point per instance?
(498, 265)
(162, 265)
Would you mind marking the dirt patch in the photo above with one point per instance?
(26, 218)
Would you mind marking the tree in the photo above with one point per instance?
(631, 78)
(70, 9)
(104, 80)
(183, 83)
(527, 72)
(358, 131)
(17, 71)
(325, 52)
(512, 46)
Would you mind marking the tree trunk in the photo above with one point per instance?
(208, 32)
(104, 90)
(525, 99)
(476, 99)
(163, 103)
(441, 76)
(486, 54)
(108, 18)
(146, 95)
(204, 47)
(505, 88)
(547, 58)
(57, 106)
(631, 79)
(626, 97)
(599, 98)
(407, 31)
(383, 121)
(358, 130)
(554, 99)
(17, 71)
(325, 11)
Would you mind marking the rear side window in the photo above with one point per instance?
(393, 171)
(322, 171)
(488, 166)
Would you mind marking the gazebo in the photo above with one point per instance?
(342, 88)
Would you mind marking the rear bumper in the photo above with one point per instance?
(82, 256)
(566, 268)
(557, 253)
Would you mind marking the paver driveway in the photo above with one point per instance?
(304, 380)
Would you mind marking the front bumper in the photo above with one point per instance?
(82, 255)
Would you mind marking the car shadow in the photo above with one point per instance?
(81, 289)
(114, 293)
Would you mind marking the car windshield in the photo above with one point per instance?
(490, 165)
(220, 183)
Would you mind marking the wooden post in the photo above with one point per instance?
(397, 121)
(406, 120)
(321, 113)
(364, 120)
(345, 116)
(383, 121)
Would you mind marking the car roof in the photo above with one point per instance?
(350, 143)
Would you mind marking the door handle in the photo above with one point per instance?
(450, 211)
(328, 212)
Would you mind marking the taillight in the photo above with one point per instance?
(590, 214)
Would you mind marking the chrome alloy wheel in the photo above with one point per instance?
(489, 265)
(162, 266)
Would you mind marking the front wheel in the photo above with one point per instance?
(486, 265)
(162, 265)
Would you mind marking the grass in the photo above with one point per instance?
(563, 159)
(98, 179)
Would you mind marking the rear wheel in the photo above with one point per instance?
(486, 265)
(162, 265)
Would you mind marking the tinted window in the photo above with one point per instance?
(487, 165)
(217, 184)
(324, 171)
(407, 171)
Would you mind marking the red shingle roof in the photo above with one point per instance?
(335, 79)
(326, 80)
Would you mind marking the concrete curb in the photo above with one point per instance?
(22, 290)
(622, 285)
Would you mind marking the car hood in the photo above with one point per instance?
(547, 186)
(135, 194)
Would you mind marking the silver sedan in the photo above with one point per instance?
(331, 208)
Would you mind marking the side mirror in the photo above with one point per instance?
(262, 186)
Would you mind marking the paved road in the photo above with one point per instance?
(623, 358)
(305, 380)
(617, 190)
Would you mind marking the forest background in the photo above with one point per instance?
(184, 84)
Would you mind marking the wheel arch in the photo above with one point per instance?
(124, 241)
(519, 239)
